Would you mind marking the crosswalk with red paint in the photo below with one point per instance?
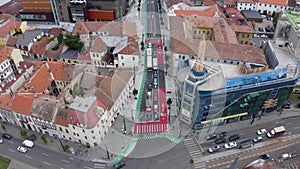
(161, 126)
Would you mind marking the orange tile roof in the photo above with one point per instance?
(208, 12)
(239, 25)
(5, 53)
(277, 2)
(103, 15)
(98, 45)
(22, 103)
(132, 47)
(87, 27)
(39, 47)
(8, 27)
(40, 80)
(57, 69)
(6, 101)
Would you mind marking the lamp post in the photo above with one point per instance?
(124, 123)
(107, 152)
(63, 147)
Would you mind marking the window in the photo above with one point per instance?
(70, 138)
(67, 131)
(122, 57)
(85, 137)
(60, 128)
(122, 64)
(77, 134)
(74, 133)
(133, 58)
(64, 136)
(83, 130)
(73, 127)
(92, 131)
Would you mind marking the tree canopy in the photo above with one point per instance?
(73, 41)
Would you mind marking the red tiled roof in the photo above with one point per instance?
(230, 2)
(5, 53)
(102, 15)
(6, 101)
(8, 27)
(55, 31)
(62, 116)
(132, 47)
(85, 56)
(12, 41)
(210, 12)
(87, 27)
(98, 45)
(277, 2)
(57, 69)
(22, 103)
(39, 47)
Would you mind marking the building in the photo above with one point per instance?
(9, 61)
(10, 7)
(38, 11)
(244, 32)
(252, 16)
(88, 120)
(6, 113)
(287, 32)
(184, 9)
(9, 27)
(233, 82)
(266, 6)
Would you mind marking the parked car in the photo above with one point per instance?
(28, 143)
(230, 145)
(286, 156)
(155, 97)
(155, 73)
(119, 165)
(148, 108)
(223, 134)
(257, 139)
(155, 82)
(155, 110)
(246, 144)
(220, 140)
(150, 86)
(234, 137)
(264, 156)
(1, 141)
(211, 136)
(264, 36)
(261, 131)
(214, 149)
(149, 93)
(7, 136)
(22, 149)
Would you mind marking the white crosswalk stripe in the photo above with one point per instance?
(192, 147)
(200, 165)
(99, 165)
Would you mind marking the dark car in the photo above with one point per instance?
(7, 136)
(155, 73)
(119, 165)
(220, 140)
(234, 137)
(150, 86)
(211, 136)
(223, 134)
(264, 156)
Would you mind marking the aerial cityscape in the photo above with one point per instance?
(149, 84)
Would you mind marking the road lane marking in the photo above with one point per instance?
(71, 158)
(65, 161)
(47, 163)
(45, 154)
(11, 142)
(87, 167)
(11, 150)
(28, 157)
(296, 127)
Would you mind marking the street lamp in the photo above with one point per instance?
(107, 152)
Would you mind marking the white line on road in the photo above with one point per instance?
(11, 142)
(100, 164)
(47, 163)
(296, 127)
(11, 150)
(28, 157)
(71, 158)
(65, 161)
(45, 154)
(87, 167)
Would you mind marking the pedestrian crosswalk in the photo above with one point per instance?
(99, 166)
(200, 165)
(149, 128)
(292, 166)
(192, 147)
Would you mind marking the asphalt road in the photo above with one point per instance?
(153, 22)
(40, 157)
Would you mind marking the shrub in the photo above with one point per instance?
(23, 133)
(43, 137)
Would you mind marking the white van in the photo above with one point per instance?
(28, 143)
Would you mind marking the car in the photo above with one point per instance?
(257, 139)
(286, 106)
(234, 137)
(230, 145)
(7, 136)
(286, 156)
(269, 18)
(261, 131)
(155, 110)
(155, 82)
(119, 165)
(264, 156)
(155, 96)
(149, 93)
(256, 36)
(148, 108)
(246, 144)
(264, 36)
(223, 134)
(220, 140)
(211, 136)
(150, 86)
(155, 73)
(1, 141)
(214, 149)
(22, 149)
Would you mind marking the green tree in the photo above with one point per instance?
(43, 137)
(135, 92)
(191, 161)
(275, 19)
(3, 127)
(23, 133)
(73, 41)
(169, 102)
(60, 38)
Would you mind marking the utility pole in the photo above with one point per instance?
(180, 129)
(107, 152)
(63, 147)
(124, 124)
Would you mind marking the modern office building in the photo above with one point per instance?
(234, 82)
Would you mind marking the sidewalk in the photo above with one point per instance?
(18, 165)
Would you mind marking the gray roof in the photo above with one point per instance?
(251, 14)
(69, 54)
(27, 37)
